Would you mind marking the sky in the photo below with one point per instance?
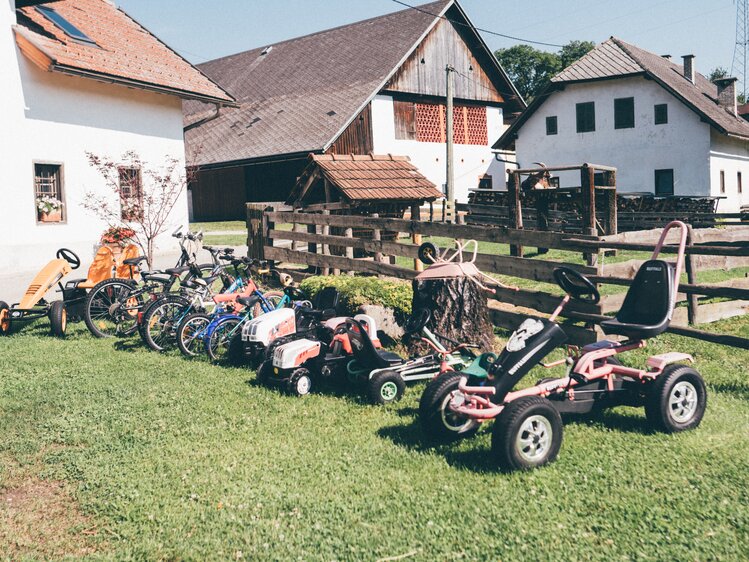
(202, 31)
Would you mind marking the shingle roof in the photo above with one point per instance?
(615, 58)
(124, 50)
(361, 178)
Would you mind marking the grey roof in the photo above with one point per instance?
(297, 96)
(615, 58)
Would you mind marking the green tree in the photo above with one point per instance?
(531, 69)
(716, 73)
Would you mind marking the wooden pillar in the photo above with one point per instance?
(515, 209)
(431, 211)
(311, 246)
(268, 225)
(612, 210)
(542, 214)
(416, 237)
(349, 233)
(692, 301)
(326, 247)
(588, 204)
(257, 231)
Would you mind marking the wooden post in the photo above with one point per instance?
(349, 233)
(692, 300)
(516, 212)
(326, 247)
(268, 225)
(257, 231)
(588, 200)
(311, 246)
(431, 211)
(542, 214)
(416, 238)
(612, 210)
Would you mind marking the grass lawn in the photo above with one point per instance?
(112, 452)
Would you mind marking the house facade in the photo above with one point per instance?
(373, 87)
(81, 76)
(666, 128)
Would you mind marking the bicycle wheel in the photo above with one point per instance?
(273, 297)
(160, 322)
(190, 334)
(219, 341)
(111, 308)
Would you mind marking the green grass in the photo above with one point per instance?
(171, 459)
(218, 226)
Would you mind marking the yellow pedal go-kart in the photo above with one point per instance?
(70, 309)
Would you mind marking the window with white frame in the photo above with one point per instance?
(48, 192)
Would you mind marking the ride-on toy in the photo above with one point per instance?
(528, 428)
(70, 309)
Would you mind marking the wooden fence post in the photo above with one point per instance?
(268, 225)
(311, 246)
(326, 247)
(516, 212)
(588, 200)
(349, 233)
(416, 238)
(692, 300)
(542, 214)
(257, 230)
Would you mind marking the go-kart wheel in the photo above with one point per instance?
(236, 354)
(4, 318)
(300, 382)
(437, 421)
(386, 387)
(69, 256)
(58, 318)
(676, 399)
(265, 372)
(428, 253)
(527, 434)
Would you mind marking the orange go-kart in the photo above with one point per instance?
(70, 309)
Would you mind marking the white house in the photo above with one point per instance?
(80, 75)
(667, 129)
(374, 86)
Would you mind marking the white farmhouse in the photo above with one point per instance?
(77, 76)
(667, 129)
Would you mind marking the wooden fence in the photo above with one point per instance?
(310, 241)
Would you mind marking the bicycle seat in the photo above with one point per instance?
(177, 270)
(248, 302)
(134, 261)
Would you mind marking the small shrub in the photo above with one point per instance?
(356, 291)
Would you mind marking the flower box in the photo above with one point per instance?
(54, 216)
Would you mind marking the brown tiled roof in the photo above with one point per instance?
(124, 52)
(297, 96)
(615, 58)
(368, 178)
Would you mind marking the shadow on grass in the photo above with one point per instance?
(734, 389)
(131, 345)
(612, 420)
(349, 392)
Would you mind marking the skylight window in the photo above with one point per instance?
(60, 22)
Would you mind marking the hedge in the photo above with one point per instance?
(357, 291)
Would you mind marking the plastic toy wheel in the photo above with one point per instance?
(386, 387)
(527, 434)
(4, 318)
(676, 400)
(436, 419)
(264, 372)
(300, 382)
(428, 253)
(190, 334)
(58, 318)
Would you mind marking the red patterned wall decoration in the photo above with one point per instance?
(469, 124)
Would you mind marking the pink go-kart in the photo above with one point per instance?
(528, 430)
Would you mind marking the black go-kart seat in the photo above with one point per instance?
(134, 261)
(364, 350)
(327, 299)
(648, 305)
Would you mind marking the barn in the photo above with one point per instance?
(372, 87)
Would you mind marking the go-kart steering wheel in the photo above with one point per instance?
(418, 319)
(69, 256)
(576, 285)
(295, 293)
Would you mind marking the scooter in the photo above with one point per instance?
(528, 429)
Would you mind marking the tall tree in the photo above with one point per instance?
(716, 73)
(531, 69)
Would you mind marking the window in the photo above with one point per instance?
(664, 182)
(624, 113)
(722, 181)
(63, 24)
(48, 193)
(425, 122)
(660, 111)
(131, 193)
(485, 182)
(551, 125)
(739, 187)
(586, 117)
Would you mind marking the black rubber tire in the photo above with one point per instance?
(5, 322)
(300, 382)
(268, 355)
(236, 354)
(167, 338)
(264, 372)
(509, 424)
(58, 319)
(433, 417)
(385, 387)
(657, 405)
(122, 284)
(189, 346)
(217, 345)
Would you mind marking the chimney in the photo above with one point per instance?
(689, 67)
(727, 94)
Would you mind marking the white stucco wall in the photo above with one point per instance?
(730, 156)
(682, 144)
(56, 118)
(471, 161)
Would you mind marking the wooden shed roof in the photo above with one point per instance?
(364, 179)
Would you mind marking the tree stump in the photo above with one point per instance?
(459, 309)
